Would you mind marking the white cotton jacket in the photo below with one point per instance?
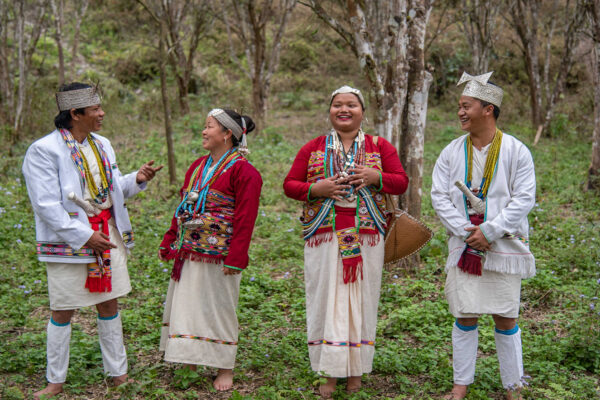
(510, 197)
(62, 227)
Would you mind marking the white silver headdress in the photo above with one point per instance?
(348, 89)
(78, 98)
(238, 131)
(479, 88)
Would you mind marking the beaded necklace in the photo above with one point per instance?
(201, 180)
(99, 195)
(490, 163)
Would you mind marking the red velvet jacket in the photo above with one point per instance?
(308, 167)
(229, 215)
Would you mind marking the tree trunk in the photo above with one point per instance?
(22, 75)
(6, 81)
(166, 104)
(57, 9)
(79, 14)
(593, 182)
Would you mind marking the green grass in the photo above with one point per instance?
(412, 361)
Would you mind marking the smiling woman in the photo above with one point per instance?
(340, 177)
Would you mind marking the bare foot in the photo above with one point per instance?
(514, 394)
(49, 391)
(119, 380)
(224, 380)
(458, 392)
(327, 389)
(354, 384)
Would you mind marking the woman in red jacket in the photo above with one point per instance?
(341, 178)
(208, 240)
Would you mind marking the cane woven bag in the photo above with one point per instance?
(405, 235)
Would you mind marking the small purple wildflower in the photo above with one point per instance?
(17, 226)
(22, 286)
(267, 355)
(592, 306)
(251, 279)
(290, 230)
(26, 291)
(37, 281)
(19, 241)
(165, 270)
(395, 276)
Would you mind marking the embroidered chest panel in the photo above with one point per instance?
(316, 172)
(212, 236)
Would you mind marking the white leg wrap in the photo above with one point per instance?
(57, 351)
(464, 354)
(110, 333)
(510, 357)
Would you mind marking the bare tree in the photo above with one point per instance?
(33, 15)
(58, 7)
(80, 10)
(248, 20)
(527, 22)
(479, 21)
(593, 9)
(156, 11)
(388, 38)
(184, 23)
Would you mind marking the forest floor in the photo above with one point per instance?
(559, 315)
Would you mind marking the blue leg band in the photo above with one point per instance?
(53, 322)
(509, 331)
(465, 328)
(108, 318)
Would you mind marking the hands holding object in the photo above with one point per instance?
(98, 242)
(476, 239)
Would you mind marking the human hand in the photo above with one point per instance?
(476, 239)
(160, 256)
(99, 242)
(230, 271)
(363, 176)
(333, 187)
(147, 172)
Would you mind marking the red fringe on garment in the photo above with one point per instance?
(319, 239)
(470, 260)
(352, 268)
(187, 255)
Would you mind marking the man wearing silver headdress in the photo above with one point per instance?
(83, 230)
(483, 188)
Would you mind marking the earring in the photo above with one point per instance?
(225, 138)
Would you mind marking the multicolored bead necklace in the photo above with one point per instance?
(490, 163)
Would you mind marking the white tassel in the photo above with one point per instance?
(243, 148)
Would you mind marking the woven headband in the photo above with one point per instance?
(78, 98)
(228, 122)
(479, 88)
(348, 89)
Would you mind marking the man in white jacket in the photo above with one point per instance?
(488, 246)
(82, 228)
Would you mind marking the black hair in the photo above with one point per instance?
(63, 119)
(250, 126)
(485, 103)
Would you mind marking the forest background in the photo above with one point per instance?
(162, 67)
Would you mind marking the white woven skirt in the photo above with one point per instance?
(341, 318)
(66, 281)
(470, 296)
(200, 323)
